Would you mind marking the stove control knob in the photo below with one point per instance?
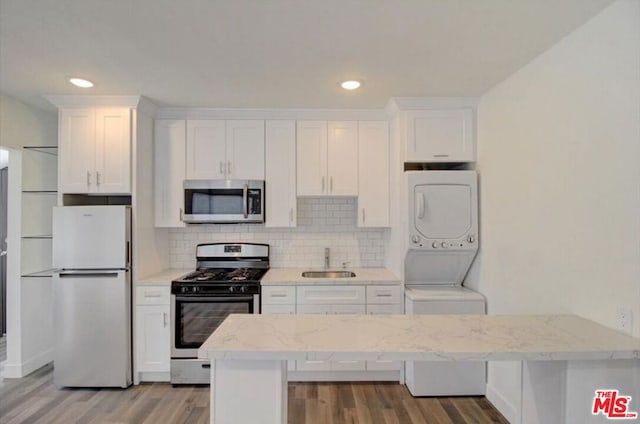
(444, 245)
(232, 289)
(184, 289)
(415, 238)
(243, 289)
(434, 244)
(196, 289)
(471, 239)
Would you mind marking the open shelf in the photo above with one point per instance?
(47, 150)
(39, 274)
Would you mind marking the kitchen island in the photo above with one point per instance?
(248, 356)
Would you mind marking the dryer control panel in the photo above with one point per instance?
(443, 210)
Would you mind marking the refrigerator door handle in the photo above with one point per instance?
(128, 254)
(71, 274)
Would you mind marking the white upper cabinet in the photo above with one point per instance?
(245, 149)
(373, 174)
(218, 149)
(169, 172)
(440, 135)
(311, 154)
(206, 150)
(95, 150)
(280, 179)
(327, 156)
(342, 158)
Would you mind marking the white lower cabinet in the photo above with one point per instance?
(279, 300)
(385, 300)
(331, 309)
(153, 333)
(336, 299)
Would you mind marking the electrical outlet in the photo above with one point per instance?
(624, 320)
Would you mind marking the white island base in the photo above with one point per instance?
(565, 358)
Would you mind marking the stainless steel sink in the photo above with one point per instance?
(328, 274)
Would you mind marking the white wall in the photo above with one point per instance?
(322, 222)
(558, 151)
(23, 125)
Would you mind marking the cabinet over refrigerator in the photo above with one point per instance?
(92, 296)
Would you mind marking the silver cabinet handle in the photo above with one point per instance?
(221, 168)
(291, 215)
(331, 184)
(180, 214)
(164, 319)
(322, 184)
(88, 178)
(229, 168)
(364, 217)
(97, 178)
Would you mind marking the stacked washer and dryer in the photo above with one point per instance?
(443, 241)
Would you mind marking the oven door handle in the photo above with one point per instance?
(245, 192)
(216, 299)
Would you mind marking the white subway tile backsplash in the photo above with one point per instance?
(322, 222)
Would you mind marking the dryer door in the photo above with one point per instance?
(443, 211)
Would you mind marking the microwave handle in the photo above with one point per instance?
(245, 191)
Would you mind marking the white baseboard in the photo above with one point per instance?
(508, 410)
(28, 366)
(155, 377)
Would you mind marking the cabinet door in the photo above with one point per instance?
(77, 150)
(113, 150)
(245, 150)
(280, 170)
(331, 365)
(441, 136)
(169, 172)
(205, 152)
(153, 338)
(373, 174)
(342, 158)
(311, 155)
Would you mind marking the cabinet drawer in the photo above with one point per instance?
(385, 294)
(390, 309)
(153, 295)
(278, 295)
(278, 309)
(331, 309)
(331, 295)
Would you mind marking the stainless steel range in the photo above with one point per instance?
(226, 281)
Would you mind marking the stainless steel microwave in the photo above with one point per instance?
(223, 201)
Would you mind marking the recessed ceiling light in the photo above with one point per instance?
(79, 82)
(350, 85)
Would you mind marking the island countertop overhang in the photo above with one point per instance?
(417, 337)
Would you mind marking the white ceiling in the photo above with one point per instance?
(275, 53)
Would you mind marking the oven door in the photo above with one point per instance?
(194, 318)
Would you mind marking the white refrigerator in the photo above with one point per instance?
(92, 296)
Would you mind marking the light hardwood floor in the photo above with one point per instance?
(34, 399)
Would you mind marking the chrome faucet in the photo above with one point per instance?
(327, 254)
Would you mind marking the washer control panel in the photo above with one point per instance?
(469, 242)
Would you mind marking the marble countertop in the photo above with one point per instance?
(280, 276)
(163, 277)
(416, 337)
